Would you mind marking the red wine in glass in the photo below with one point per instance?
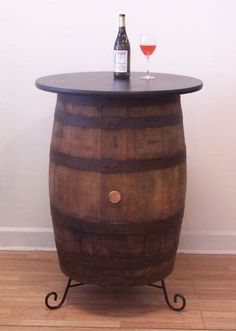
(148, 46)
(148, 49)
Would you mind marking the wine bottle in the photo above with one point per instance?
(122, 51)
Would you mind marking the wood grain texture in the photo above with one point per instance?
(20, 328)
(144, 164)
(26, 277)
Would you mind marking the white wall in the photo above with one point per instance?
(42, 37)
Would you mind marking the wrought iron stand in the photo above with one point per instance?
(69, 285)
(176, 297)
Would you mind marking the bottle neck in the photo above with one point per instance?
(122, 21)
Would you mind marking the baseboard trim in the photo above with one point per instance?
(191, 242)
(208, 242)
(28, 249)
(26, 238)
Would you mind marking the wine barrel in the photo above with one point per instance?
(117, 187)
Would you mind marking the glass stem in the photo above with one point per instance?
(148, 60)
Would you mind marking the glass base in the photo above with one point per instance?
(147, 77)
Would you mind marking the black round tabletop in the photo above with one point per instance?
(98, 83)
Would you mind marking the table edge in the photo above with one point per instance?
(62, 90)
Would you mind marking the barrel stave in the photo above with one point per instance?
(135, 148)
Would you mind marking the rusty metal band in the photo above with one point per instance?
(76, 224)
(116, 166)
(93, 262)
(110, 122)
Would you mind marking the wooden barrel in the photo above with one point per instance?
(117, 187)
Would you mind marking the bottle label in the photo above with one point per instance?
(120, 61)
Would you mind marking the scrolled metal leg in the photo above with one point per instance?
(177, 296)
(55, 296)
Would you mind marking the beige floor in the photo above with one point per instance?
(207, 281)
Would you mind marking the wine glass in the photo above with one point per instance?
(148, 46)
